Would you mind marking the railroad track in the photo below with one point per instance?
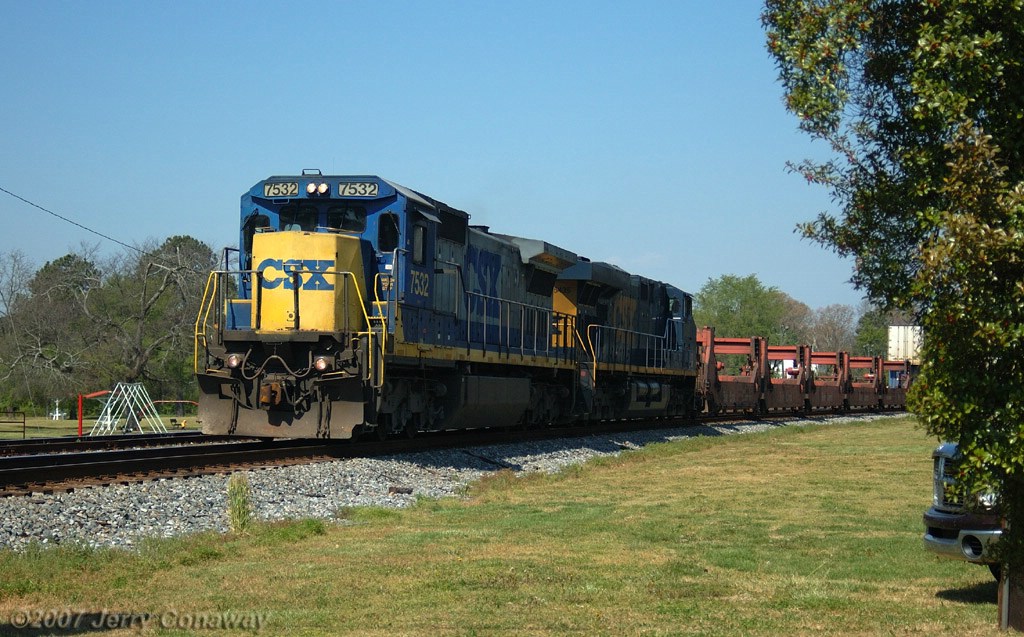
(65, 444)
(69, 470)
(24, 474)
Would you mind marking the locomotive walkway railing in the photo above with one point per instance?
(512, 327)
(518, 328)
(611, 346)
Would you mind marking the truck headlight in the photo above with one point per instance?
(986, 499)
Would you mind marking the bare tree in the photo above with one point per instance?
(78, 323)
(148, 307)
(15, 271)
(797, 318)
(833, 328)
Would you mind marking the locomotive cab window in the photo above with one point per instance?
(252, 223)
(347, 218)
(387, 232)
(298, 218)
(681, 308)
(419, 248)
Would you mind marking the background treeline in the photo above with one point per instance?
(743, 306)
(82, 323)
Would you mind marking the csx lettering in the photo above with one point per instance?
(420, 283)
(484, 270)
(278, 273)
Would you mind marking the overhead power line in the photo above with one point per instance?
(72, 222)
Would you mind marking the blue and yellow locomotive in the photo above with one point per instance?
(359, 306)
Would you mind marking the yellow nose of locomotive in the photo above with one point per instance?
(309, 281)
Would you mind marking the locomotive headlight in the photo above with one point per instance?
(233, 360)
(311, 188)
(322, 363)
(322, 189)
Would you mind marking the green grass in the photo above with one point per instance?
(795, 531)
(38, 427)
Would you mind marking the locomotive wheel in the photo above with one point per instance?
(380, 432)
(412, 427)
(403, 423)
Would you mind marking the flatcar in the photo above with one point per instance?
(793, 378)
(356, 306)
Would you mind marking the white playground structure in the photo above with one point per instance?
(129, 408)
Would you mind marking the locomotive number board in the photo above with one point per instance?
(359, 189)
(288, 189)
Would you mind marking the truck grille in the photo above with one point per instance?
(947, 495)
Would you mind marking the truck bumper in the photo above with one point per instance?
(963, 536)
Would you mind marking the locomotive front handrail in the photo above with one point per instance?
(215, 299)
(389, 303)
(374, 364)
(202, 318)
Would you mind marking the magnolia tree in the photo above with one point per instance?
(922, 104)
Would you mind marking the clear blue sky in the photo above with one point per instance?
(648, 134)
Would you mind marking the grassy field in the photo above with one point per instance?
(38, 427)
(796, 531)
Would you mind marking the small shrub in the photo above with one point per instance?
(343, 513)
(496, 482)
(288, 531)
(374, 514)
(240, 509)
(199, 554)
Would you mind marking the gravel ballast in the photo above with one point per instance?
(120, 515)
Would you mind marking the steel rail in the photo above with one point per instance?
(21, 475)
(26, 474)
(65, 444)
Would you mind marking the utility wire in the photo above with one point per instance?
(74, 223)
